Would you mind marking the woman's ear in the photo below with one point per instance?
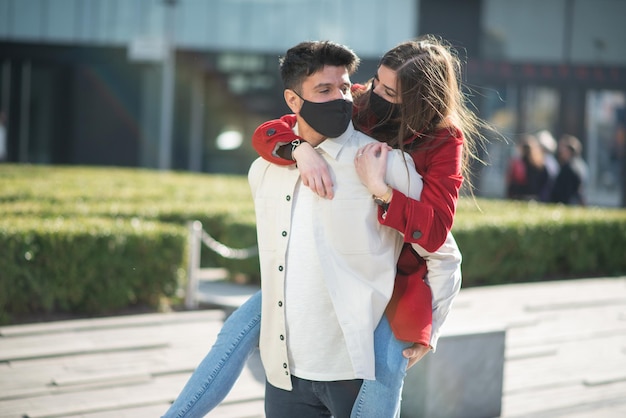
(292, 100)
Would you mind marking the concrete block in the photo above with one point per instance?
(463, 379)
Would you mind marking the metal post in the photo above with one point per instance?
(196, 122)
(5, 112)
(25, 112)
(167, 87)
(5, 77)
(195, 234)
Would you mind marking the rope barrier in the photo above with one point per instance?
(227, 252)
(197, 237)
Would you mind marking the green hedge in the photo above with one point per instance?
(506, 241)
(88, 265)
(94, 240)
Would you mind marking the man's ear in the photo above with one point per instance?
(292, 100)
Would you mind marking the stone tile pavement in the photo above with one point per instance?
(565, 356)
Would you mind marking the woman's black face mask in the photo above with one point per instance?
(381, 108)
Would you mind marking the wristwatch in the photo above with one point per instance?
(286, 151)
(295, 144)
(384, 199)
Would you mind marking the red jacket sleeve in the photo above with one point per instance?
(269, 136)
(428, 221)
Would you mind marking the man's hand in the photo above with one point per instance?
(313, 170)
(415, 353)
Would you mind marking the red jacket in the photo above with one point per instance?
(425, 222)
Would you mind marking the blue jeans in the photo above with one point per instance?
(381, 397)
(217, 372)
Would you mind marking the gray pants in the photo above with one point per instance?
(311, 399)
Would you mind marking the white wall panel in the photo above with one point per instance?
(27, 19)
(534, 30)
(5, 19)
(546, 30)
(194, 22)
(599, 31)
(62, 20)
(525, 30)
(367, 26)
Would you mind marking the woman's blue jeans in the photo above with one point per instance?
(239, 337)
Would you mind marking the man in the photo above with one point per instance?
(327, 266)
(569, 185)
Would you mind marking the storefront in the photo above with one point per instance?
(588, 102)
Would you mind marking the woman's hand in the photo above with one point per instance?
(313, 170)
(415, 353)
(371, 166)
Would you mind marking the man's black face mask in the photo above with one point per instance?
(330, 119)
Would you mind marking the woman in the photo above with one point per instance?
(413, 103)
(527, 174)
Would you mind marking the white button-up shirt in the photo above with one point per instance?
(358, 255)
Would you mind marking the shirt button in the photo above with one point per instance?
(286, 373)
(417, 234)
(288, 198)
(270, 132)
(284, 365)
(280, 303)
(284, 234)
(282, 337)
(280, 268)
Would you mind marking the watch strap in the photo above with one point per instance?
(385, 198)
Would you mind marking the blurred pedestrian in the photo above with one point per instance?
(569, 184)
(527, 175)
(548, 146)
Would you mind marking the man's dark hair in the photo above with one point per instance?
(309, 57)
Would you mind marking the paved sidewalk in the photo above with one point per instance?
(565, 356)
(565, 352)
